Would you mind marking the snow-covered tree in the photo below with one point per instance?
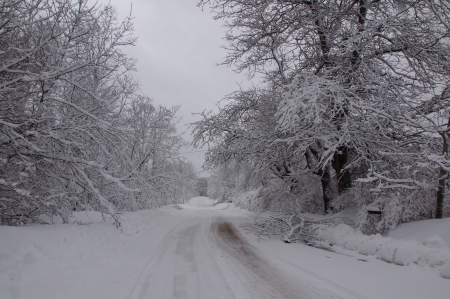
(62, 88)
(74, 131)
(202, 186)
(356, 81)
(153, 156)
(248, 152)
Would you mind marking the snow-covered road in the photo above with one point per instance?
(205, 256)
(198, 251)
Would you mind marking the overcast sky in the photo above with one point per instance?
(178, 49)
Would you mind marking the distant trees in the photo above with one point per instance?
(202, 186)
(358, 88)
(74, 132)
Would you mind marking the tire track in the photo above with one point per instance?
(273, 282)
(145, 271)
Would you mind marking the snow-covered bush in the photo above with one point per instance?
(445, 270)
(432, 252)
(249, 200)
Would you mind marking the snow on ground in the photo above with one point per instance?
(420, 243)
(171, 253)
(94, 260)
(420, 230)
(353, 274)
(199, 202)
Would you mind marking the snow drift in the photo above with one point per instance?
(432, 251)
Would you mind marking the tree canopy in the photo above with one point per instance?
(75, 130)
(358, 90)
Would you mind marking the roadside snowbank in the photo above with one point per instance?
(89, 258)
(432, 251)
(420, 230)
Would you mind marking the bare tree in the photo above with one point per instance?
(244, 132)
(354, 78)
(75, 131)
(63, 84)
(153, 155)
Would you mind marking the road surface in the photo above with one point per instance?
(205, 256)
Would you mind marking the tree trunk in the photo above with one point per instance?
(440, 194)
(328, 193)
(327, 188)
(443, 174)
(340, 159)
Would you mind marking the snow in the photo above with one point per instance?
(73, 260)
(400, 247)
(248, 200)
(435, 242)
(172, 253)
(445, 271)
(420, 230)
(85, 217)
(199, 202)
(404, 255)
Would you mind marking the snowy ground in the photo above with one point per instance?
(196, 252)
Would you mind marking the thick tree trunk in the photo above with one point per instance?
(327, 189)
(328, 193)
(340, 159)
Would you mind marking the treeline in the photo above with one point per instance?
(76, 133)
(353, 110)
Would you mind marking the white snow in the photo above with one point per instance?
(248, 200)
(199, 202)
(420, 230)
(401, 247)
(435, 242)
(171, 252)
